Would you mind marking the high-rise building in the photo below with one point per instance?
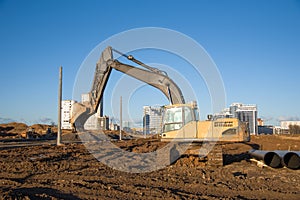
(233, 108)
(244, 112)
(66, 114)
(152, 119)
(248, 113)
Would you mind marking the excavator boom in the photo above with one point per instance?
(151, 76)
(104, 66)
(102, 73)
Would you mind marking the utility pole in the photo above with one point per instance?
(121, 120)
(59, 107)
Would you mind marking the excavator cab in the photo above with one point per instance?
(179, 121)
(176, 116)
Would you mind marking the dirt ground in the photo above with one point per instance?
(71, 172)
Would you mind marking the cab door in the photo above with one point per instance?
(190, 123)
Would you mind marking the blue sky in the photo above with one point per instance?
(255, 44)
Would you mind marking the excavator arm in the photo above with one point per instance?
(159, 81)
(104, 66)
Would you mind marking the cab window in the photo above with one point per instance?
(187, 115)
(173, 119)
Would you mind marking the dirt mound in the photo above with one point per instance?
(42, 129)
(15, 129)
(39, 127)
(12, 130)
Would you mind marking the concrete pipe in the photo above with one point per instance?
(292, 160)
(270, 158)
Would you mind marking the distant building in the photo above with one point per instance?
(114, 127)
(286, 124)
(226, 113)
(127, 124)
(152, 117)
(279, 130)
(66, 114)
(244, 112)
(104, 123)
(265, 130)
(248, 113)
(260, 122)
(146, 123)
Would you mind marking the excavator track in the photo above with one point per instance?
(215, 156)
(212, 153)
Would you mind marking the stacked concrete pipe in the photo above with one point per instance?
(268, 157)
(290, 159)
(276, 159)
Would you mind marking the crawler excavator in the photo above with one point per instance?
(180, 121)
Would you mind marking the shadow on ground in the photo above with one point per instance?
(40, 193)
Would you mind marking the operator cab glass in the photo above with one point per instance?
(175, 118)
(196, 114)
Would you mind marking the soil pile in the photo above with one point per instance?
(17, 130)
(12, 130)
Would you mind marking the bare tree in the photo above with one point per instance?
(294, 129)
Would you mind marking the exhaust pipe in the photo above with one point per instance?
(270, 158)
